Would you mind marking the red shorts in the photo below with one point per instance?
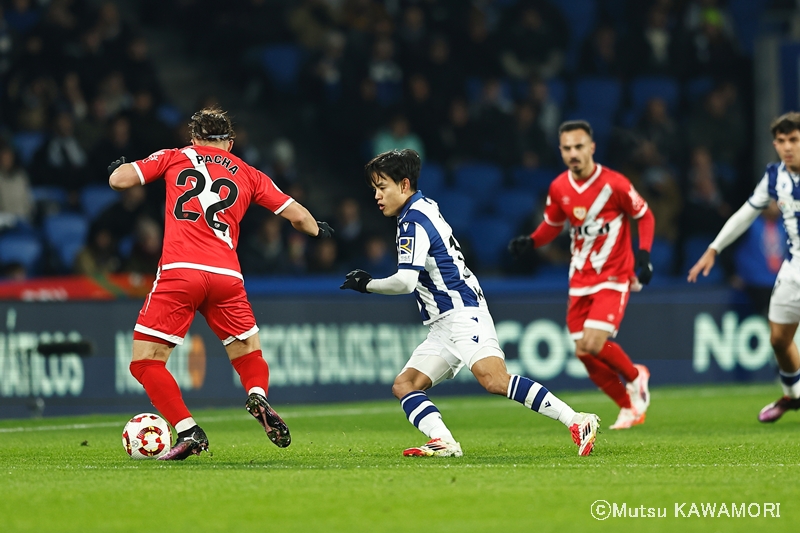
(602, 310)
(179, 293)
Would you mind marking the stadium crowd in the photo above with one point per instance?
(478, 88)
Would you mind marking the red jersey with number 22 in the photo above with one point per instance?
(208, 192)
(597, 210)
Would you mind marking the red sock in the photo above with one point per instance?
(606, 379)
(161, 388)
(253, 370)
(615, 357)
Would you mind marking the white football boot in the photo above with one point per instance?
(639, 391)
(628, 417)
(584, 431)
(435, 448)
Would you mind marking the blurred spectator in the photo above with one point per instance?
(265, 251)
(13, 271)
(412, 37)
(61, 161)
(92, 128)
(310, 22)
(423, 115)
(22, 16)
(146, 252)
(7, 50)
(653, 48)
(324, 258)
(377, 257)
(138, 70)
(531, 44)
(697, 11)
(282, 168)
(532, 148)
(712, 52)
(706, 208)
(548, 110)
(398, 136)
(479, 50)
(759, 256)
(349, 226)
(385, 71)
(118, 142)
(493, 115)
(148, 133)
(120, 217)
(460, 136)
(99, 255)
(72, 93)
(324, 74)
(657, 127)
(444, 75)
(16, 197)
(114, 34)
(719, 127)
(115, 93)
(600, 54)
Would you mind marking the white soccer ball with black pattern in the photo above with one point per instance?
(146, 436)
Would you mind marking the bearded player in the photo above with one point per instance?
(208, 191)
(596, 202)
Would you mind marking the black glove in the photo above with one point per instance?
(519, 245)
(325, 231)
(357, 280)
(644, 268)
(116, 164)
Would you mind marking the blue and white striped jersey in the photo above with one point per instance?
(782, 186)
(425, 243)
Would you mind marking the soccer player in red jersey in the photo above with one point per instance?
(596, 202)
(208, 191)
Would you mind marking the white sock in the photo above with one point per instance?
(536, 397)
(185, 424)
(257, 390)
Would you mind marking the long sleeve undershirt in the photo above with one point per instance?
(404, 281)
(735, 226)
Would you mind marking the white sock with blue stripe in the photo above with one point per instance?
(537, 398)
(790, 381)
(421, 412)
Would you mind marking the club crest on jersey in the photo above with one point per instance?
(405, 250)
(579, 212)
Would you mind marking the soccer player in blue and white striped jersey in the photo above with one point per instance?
(781, 182)
(452, 305)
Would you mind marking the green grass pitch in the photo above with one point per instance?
(344, 470)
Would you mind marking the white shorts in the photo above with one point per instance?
(460, 338)
(784, 304)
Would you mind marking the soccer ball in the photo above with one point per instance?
(146, 436)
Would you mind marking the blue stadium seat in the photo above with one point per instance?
(696, 88)
(65, 227)
(282, 63)
(600, 95)
(474, 88)
(23, 249)
(26, 143)
(96, 198)
(645, 88)
(514, 205)
(693, 248)
(581, 15)
(557, 89)
(536, 180)
(50, 194)
(67, 252)
(489, 239)
(169, 115)
(479, 180)
(457, 208)
(662, 255)
(432, 179)
(746, 17)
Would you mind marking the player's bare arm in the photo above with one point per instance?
(122, 175)
(302, 220)
(704, 265)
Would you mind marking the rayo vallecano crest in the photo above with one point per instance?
(579, 212)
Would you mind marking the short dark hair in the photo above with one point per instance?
(785, 124)
(572, 125)
(211, 124)
(395, 165)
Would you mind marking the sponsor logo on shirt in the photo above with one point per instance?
(155, 155)
(405, 250)
(789, 206)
